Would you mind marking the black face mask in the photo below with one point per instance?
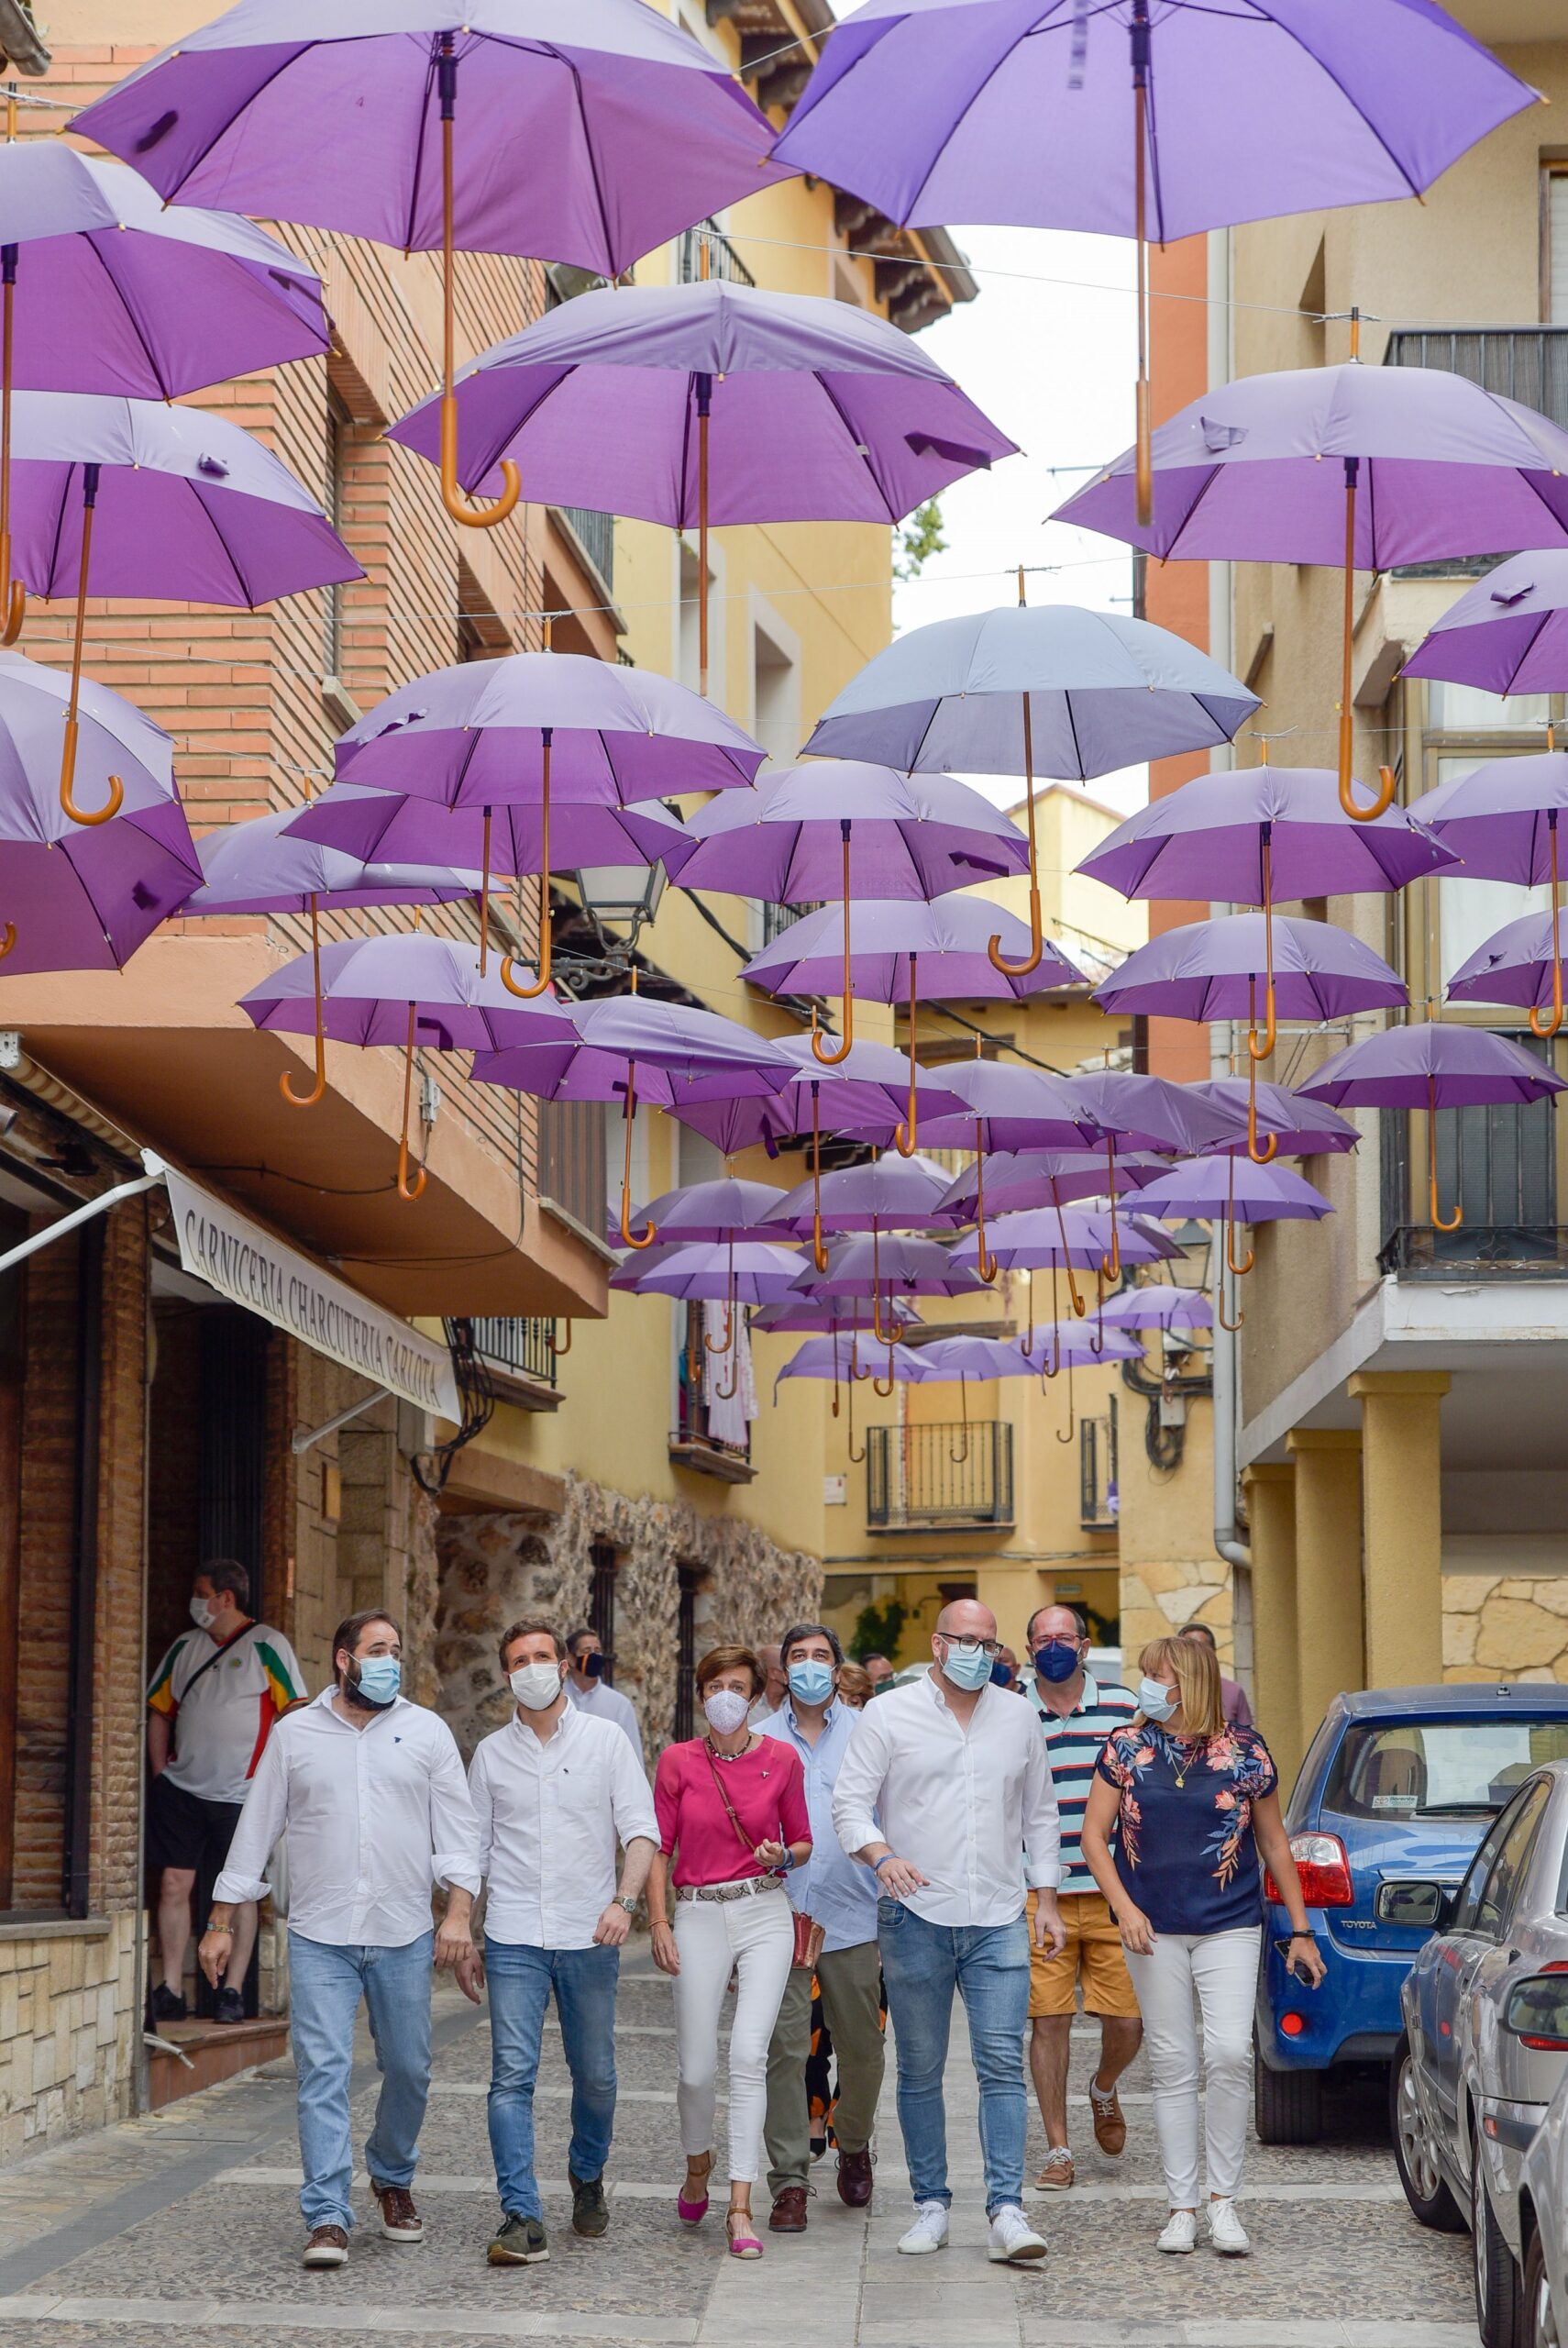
(591, 1666)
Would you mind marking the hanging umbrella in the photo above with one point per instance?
(85, 899)
(1068, 1345)
(936, 952)
(541, 728)
(1164, 1306)
(1520, 963)
(1054, 690)
(103, 289)
(1161, 116)
(821, 1357)
(1037, 1178)
(408, 990)
(262, 865)
(882, 1268)
(867, 1095)
(954, 1360)
(727, 1208)
(1265, 835)
(892, 1193)
(845, 828)
(1365, 467)
(590, 134)
(1216, 1189)
(174, 503)
(802, 1316)
(1148, 1112)
(1509, 634)
(1431, 1067)
(740, 1272)
(1502, 819)
(1030, 1239)
(1298, 1128)
(395, 827)
(709, 404)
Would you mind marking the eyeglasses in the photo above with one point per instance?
(991, 1647)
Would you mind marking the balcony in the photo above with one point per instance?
(777, 919)
(1499, 1165)
(946, 1475)
(1098, 1502)
(595, 535)
(520, 1355)
(1525, 363)
(694, 1444)
(723, 258)
(571, 1165)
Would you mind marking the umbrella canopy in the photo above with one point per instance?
(1032, 1239)
(881, 1267)
(1076, 1345)
(791, 838)
(1157, 1307)
(721, 1210)
(739, 1273)
(1298, 1128)
(262, 867)
(1219, 1187)
(1503, 818)
(892, 1193)
(394, 827)
(827, 1356)
(1516, 964)
(83, 898)
(1149, 1112)
(1509, 634)
(952, 1359)
(1038, 1178)
(1011, 1107)
(826, 1314)
(865, 1094)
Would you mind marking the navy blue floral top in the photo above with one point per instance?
(1185, 1851)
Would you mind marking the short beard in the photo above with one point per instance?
(356, 1695)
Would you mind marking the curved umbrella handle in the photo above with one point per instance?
(7, 939)
(1230, 1327)
(406, 1190)
(835, 1395)
(1075, 1300)
(826, 1058)
(1110, 1265)
(1046, 1375)
(906, 1135)
(855, 1457)
(1389, 783)
(958, 1458)
(858, 1376)
(727, 1393)
(16, 608)
(727, 1343)
(1072, 1428)
(471, 517)
(629, 1113)
(1554, 1017)
(987, 1266)
(1240, 1270)
(1259, 1156)
(558, 1350)
(1458, 1216)
(285, 1081)
(1348, 799)
(878, 1387)
(542, 981)
(112, 805)
(1027, 1346)
(1030, 962)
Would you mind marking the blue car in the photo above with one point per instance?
(1399, 1783)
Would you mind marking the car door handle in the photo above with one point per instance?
(1512, 1958)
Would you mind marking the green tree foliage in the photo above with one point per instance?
(920, 539)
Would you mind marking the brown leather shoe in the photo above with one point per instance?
(328, 2246)
(854, 2178)
(789, 2211)
(1109, 2127)
(401, 2222)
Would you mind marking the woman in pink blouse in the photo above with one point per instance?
(733, 1817)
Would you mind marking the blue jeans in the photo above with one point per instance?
(521, 1979)
(989, 1966)
(325, 1984)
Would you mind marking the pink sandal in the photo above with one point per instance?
(691, 2213)
(742, 2245)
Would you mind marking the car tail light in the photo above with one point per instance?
(1323, 1865)
(1292, 2025)
(1536, 2042)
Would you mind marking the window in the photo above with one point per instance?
(1494, 1891)
(1445, 1768)
(339, 427)
(603, 1562)
(775, 696)
(1554, 245)
(573, 1152)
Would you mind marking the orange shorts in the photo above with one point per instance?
(1092, 1957)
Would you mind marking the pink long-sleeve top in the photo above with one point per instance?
(767, 1788)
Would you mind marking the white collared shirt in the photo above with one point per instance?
(375, 1817)
(608, 1704)
(960, 1805)
(837, 1891)
(550, 1815)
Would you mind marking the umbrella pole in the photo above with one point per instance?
(1556, 1021)
(1046, 1375)
(1096, 1343)
(1458, 1215)
(1230, 1327)
(1259, 1156)
(704, 401)
(68, 756)
(1072, 1428)
(285, 1081)
(819, 1250)
(819, 1053)
(855, 1457)
(906, 1134)
(12, 591)
(1143, 461)
(1261, 1048)
(1078, 1302)
(1111, 1265)
(1030, 962)
(485, 896)
(987, 1266)
(471, 517)
(629, 1111)
(541, 985)
(727, 1393)
(835, 1393)
(1240, 1270)
(727, 1340)
(405, 1188)
(958, 1458)
(1348, 798)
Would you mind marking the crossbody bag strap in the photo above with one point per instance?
(747, 1845)
(227, 1648)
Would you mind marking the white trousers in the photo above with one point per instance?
(1222, 1968)
(755, 1939)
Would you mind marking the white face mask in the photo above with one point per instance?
(726, 1709)
(535, 1685)
(201, 1613)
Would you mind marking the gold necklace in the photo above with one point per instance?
(1180, 1775)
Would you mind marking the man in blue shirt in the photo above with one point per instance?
(840, 1895)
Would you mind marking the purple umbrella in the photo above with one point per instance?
(893, 1193)
(1032, 1239)
(1033, 114)
(1163, 1307)
(1509, 634)
(540, 725)
(740, 1272)
(879, 1266)
(935, 953)
(801, 408)
(1070, 692)
(405, 990)
(590, 134)
(947, 1360)
(819, 1357)
(122, 296)
(395, 827)
(867, 1095)
(1217, 1191)
(84, 900)
(1431, 1067)
(262, 865)
(1297, 1128)
(1034, 1178)
(708, 1212)
(176, 503)
(1149, 1112)
(1450, 468)
(805, 1314)
(1520, 963)
(1502, 819)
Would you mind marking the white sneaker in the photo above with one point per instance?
(1181, 2234)
(1226, 2231)
(929, 2230)
(1013, 2236)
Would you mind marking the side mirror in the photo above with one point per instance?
(1415, 1906)
(1537, 2011)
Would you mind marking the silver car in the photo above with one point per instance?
(1471, 2078)
(1540, 2012)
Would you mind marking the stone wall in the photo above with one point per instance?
(1513, 1626)
(68, 2030)
(1159, 1595)
(496, 1564)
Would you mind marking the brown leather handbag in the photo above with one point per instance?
(809, 1934)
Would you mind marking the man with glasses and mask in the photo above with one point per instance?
(1077, 1712)
(958, 1773)
(369, 1791)
(587, 1691)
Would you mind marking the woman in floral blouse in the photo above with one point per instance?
(1191, 1803)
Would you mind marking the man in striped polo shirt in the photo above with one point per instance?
(1078, 1712)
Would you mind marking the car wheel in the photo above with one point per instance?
(1288, 2106)
(1414, 2155)
(1499, 2310)
(1539, 2316)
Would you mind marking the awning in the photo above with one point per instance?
(252, 1267)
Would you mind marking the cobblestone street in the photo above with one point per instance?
(185, 2228)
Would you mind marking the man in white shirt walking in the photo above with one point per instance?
(553, 1791)
(958, 1772)
(587, 1691)
(369, 1791)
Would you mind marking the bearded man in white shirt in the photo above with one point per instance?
(369, 1791)
(959, 1776)
(553, 1791)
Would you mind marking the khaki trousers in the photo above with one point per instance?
(850, 1981)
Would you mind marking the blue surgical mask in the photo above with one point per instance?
(810, 1681)
(379, 1679)
(967, 1668)
(1056, 1660)
(1156, 1700)
(1001, 1674)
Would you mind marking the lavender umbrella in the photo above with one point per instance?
(387, 827)
(1163, 1307)
(948, 1360)
(1033, 1177)
(1509, 634)
(866, 1096)
(1216, 1189)
(407, 990)
(590, 133)
(84, 900)
(1502, 818)
(1032, 1239)
(879, 1266)
(1297, 1129)
(819, 1357)
(262, 867)
(1431, 1067)
(1450, 468)
(796, 408)
(893, 1193)
(1073, 693)
(936, 953)
(721, 1210)
(740, 1273)
(1520, 963)
(176, 503)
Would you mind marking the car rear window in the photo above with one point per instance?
(1442, 1768)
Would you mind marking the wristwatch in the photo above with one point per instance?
(622, 1900)
(213, 1926)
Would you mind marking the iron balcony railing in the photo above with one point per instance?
(777, 919)
(527, 1348)
(1098, 1501)
(595, 534)
(943, 1474)
(1499, 1165)
(1525, 363)
(572, 1161)
(723, 258)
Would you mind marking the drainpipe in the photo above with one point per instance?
(1227, 1534)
